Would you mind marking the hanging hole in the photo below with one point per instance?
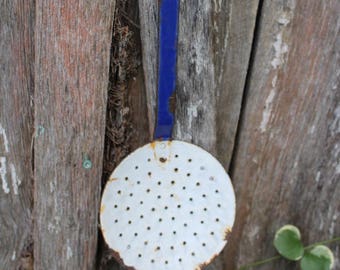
(176, 156)
(191, 199)
(130, 222)
(217, 220)
(203, 244)
(180, 259)
(141, 202)
(159, 183)
(191, 212)
(185, 225)
(188, 174)
(219, 206)
(179, 206)
(176, 169)
(202, 222)
(153, 209)
(174, 232)
(183, 188)
(120, 235)
(138, 182)
(119, 192)
(166, 208)
(152, 261)
(211, 178)
(184, 243)
(136, 167)
(145, 243)
(166, 262)
(148, 190)
(128, 247)
(212, 233)
(172, 182)
(160, 220)
(149, 159)
(116, 220)
(171, 195)
(159, 196)
(149, 173)
(173, 218)
(136, 234)
(127, 208)
(189, 160)
(198, 184)
(148, 228)
(195, 234)
(139, 255)
(205, 209)
(202, 168)
(172, 248)
(204, 195)
(116, 206)
(126, 178)
(131, 194)
(141, 216)
(216, 191)
(160, 234)
(192, 253)
(158, 248)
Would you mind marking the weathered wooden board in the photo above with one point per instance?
(71, 70)
(286, 168)
(214, 44)
(16, 128)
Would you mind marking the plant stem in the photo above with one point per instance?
(260, 262)
(257, 263)
(323, 242)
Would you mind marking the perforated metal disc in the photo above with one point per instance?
(168, 205)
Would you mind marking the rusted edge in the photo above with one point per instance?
(227, 233)
(205, 264)
(118, 258)
(111, 179)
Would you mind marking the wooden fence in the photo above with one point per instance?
(257, 86)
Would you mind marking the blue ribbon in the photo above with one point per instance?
(168, 30)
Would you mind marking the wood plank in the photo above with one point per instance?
(286, 168)
(72, 65)
(16, 128)
(214, 45)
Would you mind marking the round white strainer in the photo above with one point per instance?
(168, 205)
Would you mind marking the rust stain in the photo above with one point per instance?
(119, 259)
(102, 208)
(153, 145)
(162, 159)
(113, 179)
(227, 233)
(202, 266)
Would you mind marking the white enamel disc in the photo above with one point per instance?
(168, 205)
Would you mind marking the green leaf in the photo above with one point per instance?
(287, 241)
(318, 258)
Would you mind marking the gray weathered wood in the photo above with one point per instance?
(286, 168)
(16, 88)
(214, 45)
(71, 70)
(148, 14)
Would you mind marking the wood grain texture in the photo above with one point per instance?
(286, 168)
(72, 63)
(16, 128)
(149, 16)
(214, 44)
